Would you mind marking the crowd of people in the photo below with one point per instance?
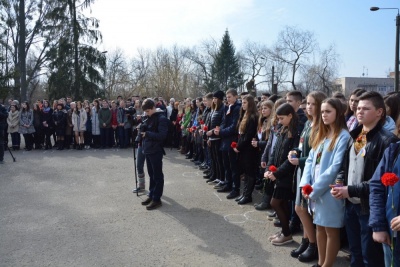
(318, 160)
(66, 124)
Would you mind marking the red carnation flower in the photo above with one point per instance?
(272, 168)
(389, 179)
(233, 145)
(194, 128)
(205, 128)
(201, 122)
(307, 189)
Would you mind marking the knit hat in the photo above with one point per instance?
(219, 94)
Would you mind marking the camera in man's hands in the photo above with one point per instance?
(142, 128)
(130, 111)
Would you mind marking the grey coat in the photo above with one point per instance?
(26, 118)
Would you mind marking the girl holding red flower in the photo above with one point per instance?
(320, 171)
(260, 141)
(247, 154)
(307, 251)
(287, 138)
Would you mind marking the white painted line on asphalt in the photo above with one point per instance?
(217, 196)
(246, 214)
(231, 218)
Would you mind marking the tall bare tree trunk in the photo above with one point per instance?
(77, 95)
(21, 50)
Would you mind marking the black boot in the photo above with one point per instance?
(265, 203)
(310, 254)
(61, 145)
(303, 246)
(247, 190)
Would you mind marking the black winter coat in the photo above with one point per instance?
(378, 139)
(285, 170)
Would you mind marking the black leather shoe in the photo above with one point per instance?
(153, 205)
(188, 157)
(147, 201)
(302, 247)
(310, 254)
(233, 194)
(210, 180)
(224, 189)
(193, 160)
(239, 198)
(208, 176)
(245, 200)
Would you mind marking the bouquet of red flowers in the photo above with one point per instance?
(233, 145)
(389, 179)
(205, 128)
(272, 168)
(307, 189)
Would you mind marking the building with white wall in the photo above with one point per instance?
(348, 84)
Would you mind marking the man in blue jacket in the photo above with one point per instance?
(154, 132)
(384, 218)
(229, 134)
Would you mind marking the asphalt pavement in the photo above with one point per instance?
(76, 208)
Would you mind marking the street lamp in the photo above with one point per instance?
(396, 60)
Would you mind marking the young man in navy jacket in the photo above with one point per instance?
(229, 133)
(154, 132)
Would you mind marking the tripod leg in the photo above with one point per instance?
(136, 178)
(11, 154)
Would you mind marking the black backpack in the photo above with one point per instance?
(170, 135)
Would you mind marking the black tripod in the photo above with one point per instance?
(9, 150)
(134, 164)
(5, 145)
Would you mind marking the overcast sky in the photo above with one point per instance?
(364, 40)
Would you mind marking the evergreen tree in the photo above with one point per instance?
(76, 65)
(225, 71)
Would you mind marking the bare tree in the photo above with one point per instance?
(320, 76)
(117, 79)
(293, 47)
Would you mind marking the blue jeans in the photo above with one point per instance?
(364, 251)
(140, 158)
(156, 175)
(388, 254)
(229, 159)
(123, 136)
(207, 154)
